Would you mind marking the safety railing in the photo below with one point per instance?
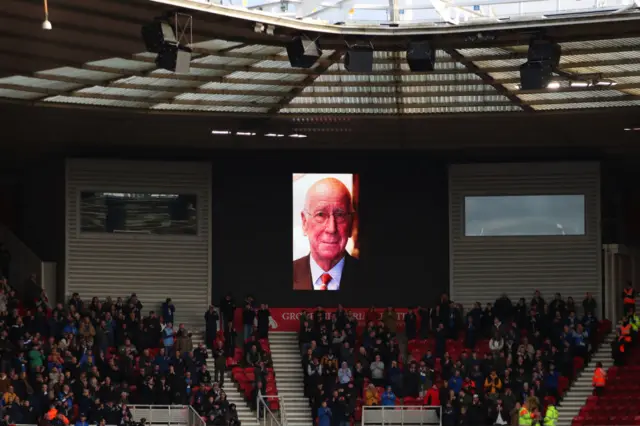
(167, 415)
(402, 415)
(268, 417)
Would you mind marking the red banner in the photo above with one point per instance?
(288, 319)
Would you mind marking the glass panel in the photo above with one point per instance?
(144, 213)
(524, 215)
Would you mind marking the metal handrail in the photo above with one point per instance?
(402, 415)
(262, 400)
(182, 415)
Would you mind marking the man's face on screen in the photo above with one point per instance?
(327, 221)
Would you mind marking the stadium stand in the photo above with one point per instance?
(618, 402)
(481, 366)
(87, 362)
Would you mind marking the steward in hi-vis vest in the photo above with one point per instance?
(551, 416)
(629, 299)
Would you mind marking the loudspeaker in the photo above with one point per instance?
(544, 51)
(174, 58)
(359, 59)
(535, 75)
(155, 34)
(420, 56)
(303, 53)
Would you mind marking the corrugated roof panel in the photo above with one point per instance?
(158, 82)
(632, 91)
(275, 64)
(216, 44)
(505, 75)
(435, 78)
(222, 98)
(96, 102)
(79, 73)
(203, 72)
(39, 83)
(237, 86)
(349, 89)
(461, 109)
(604, 69)
(356, 78)
(259, 48)
(123, 64)
(339, 111)
(615, 42)
(459, 100)
(630, 80)
(595, 57)
(568, 95)
(178, 107)
(616, 104)
(471, 53)
(223, 60)
(343, 100)
(19, 94)
(248, 75)
(500, 63)
(135, 93)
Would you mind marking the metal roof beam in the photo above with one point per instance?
(487, 79)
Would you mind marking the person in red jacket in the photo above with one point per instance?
(432, 397)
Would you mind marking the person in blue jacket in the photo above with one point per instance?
(388, 398)
(455, 382)
(324, 415)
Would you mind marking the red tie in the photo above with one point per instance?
(326, 279)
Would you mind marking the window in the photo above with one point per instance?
(524, 215)
(143, 213)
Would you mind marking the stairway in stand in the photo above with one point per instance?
(287, 366)
(582, 387)
(245, 414)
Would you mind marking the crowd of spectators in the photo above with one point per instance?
(479, 366)
(87, 362)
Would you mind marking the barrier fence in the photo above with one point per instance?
(267, 417)
(402, 415)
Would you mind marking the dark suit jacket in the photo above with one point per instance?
(302, 273)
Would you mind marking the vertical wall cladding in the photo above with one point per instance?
(153, 266)
(484, 267)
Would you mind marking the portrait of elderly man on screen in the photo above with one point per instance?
(327, 221)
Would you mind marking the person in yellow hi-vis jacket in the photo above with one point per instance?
(551, 416)
(526, 414)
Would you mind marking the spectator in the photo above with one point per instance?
(344, 374)
(388, 397)
(324, 415)
(168, 338)
(410, 324)
(211, 318)
(496, 344)
(227, 309)
(248, 320)
(168, 310)
(372, 396)
(589, 304)
(432, 396)
(263, 321)
(377, 371)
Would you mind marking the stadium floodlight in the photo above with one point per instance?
(160, 37)
(303, 52)
(543, 57)
(421, 56)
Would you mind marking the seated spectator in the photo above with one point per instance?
(372, 396)
(253, 357)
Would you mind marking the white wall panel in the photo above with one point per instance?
(153, 266)
(484, 267)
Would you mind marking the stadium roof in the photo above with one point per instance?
(94, 58)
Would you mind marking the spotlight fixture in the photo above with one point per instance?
(632, 129)
(421, 56)
(303, 52)
(221, 132)
(274, 135)
(553, 85)
(359, 58)
(543, 58)
(159, 37)
(580, 84)
(297, 135)
(245, 134)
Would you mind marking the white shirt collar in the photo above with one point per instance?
(335, 272)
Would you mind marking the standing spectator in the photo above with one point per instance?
(168, 338)
(219, 355)
(372, 396)
(227, 309)
(168, 310)
(230, 336)
(324, 415)
(390, 319)
(410, 322)
(263, 321)
(377, 371)
(589, 304)
(388, 397)
(211, 318)
(248, 319)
